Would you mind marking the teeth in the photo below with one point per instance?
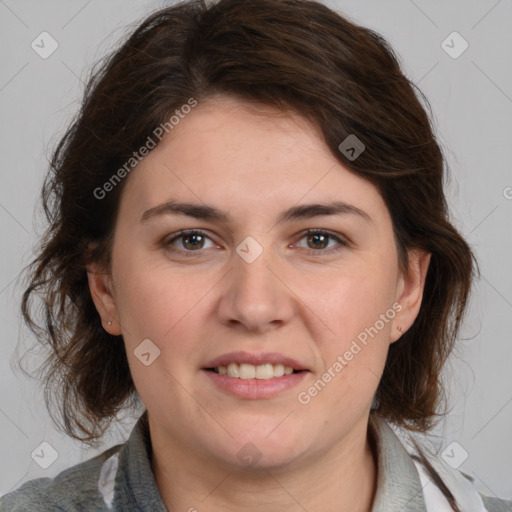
(278, 370)
(248, 371)
(233, 370)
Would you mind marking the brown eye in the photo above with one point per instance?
(319, 240)
(193, 241)
(188, 241)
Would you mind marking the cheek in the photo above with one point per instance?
(157, 303)
(358, 310)
(350, 299)
(167, 311)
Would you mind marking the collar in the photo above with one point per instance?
(136, 457)
(399, 486)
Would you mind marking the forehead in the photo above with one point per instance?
(235, 154)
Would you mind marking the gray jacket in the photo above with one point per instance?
(121, 480)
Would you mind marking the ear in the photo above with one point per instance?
(410, 291)
(100, 285)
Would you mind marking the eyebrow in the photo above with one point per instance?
(205, 212)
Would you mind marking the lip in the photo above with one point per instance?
(254, 359)
(255, 388)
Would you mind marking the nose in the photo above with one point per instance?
(256, 296)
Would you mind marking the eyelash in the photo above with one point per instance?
(315, 252)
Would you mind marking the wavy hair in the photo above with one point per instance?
(295, 55)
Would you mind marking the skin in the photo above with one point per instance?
(296, 299)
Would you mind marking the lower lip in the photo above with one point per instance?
(255, 388)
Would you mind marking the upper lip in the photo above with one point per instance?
(254, 359)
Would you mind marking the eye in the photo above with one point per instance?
(319, 240)
(191, 241)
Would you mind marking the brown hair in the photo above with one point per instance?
(295, 55)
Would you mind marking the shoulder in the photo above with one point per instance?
(438, 480)
(496, 505)
(68, 491)
(461, 486)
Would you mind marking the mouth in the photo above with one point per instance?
(249, 365)
(249, 375)
(247, 371)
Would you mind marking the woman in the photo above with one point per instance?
(248, 231)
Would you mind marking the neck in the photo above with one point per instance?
(342, 479)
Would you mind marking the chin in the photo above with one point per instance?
(252, 460)
(266, 448)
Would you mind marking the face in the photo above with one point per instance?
(249, 284)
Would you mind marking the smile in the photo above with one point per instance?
(246, 371)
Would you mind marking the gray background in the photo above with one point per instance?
(472, 101)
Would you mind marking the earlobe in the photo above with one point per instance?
(101, 292)
(410, 291)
